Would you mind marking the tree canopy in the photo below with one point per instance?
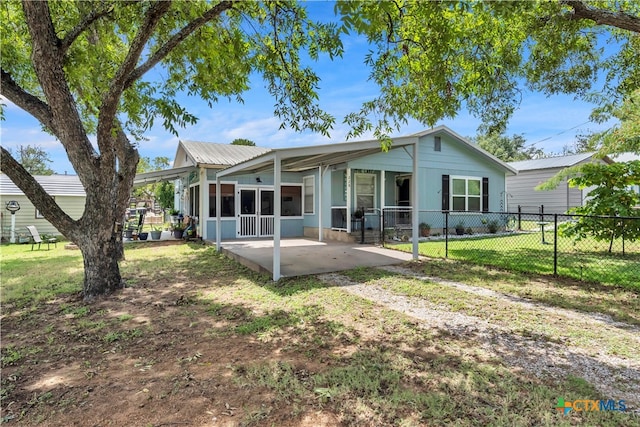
(243, 141)
(34, 159)
(430, 59)
(508, 149)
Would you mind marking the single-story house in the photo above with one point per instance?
(531, 173)
(233, 190)
(67, 190)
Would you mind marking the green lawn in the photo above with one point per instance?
(584, 260)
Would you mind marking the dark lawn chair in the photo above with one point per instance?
(35, 238)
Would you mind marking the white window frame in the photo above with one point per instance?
(312, 178)
(293, 184)
(375, 189)
(466, 190)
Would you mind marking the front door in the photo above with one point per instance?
(247, 213)
(255, 212)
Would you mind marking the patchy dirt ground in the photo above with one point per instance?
(161, 373)
(164, 353)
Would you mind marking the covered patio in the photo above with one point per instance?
(299, 256)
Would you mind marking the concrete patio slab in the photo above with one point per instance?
(300, 257)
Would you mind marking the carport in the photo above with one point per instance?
(306, 158)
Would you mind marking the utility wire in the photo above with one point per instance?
(561, 132)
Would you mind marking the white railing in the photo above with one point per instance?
(266, 226)
(248, 226)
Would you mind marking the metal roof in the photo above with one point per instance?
(208, 153)
(551, 162)
(305, 158)
(54, 185)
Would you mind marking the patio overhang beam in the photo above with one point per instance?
(161, 175)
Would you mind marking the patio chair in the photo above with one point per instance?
(35, 238)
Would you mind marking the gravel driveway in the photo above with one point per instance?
(615, 377)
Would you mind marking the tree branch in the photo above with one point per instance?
(109, 105)
(48, 61)
(34, 191)
(28, 102)
(174, 41)
(622, 20)
(82, 26)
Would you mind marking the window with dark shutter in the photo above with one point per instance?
(485, 194)
(445, 192)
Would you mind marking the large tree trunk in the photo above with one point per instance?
(101, 269)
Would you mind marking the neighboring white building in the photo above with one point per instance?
(67, 190)
(531, 173)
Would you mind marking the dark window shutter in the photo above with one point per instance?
(445, 192)
(485, 194)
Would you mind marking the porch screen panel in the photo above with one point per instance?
(228, 200)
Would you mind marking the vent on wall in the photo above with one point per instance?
(437, 144)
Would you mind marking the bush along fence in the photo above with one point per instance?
(601, 249)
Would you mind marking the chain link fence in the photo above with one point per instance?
(591, 248)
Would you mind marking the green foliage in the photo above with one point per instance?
(34, 159)
(508, 149)
(243, 141)
(432, 58)
(165, 194)
(611, 197)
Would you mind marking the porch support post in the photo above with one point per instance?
(415, 201)
(348, 179)
(319, 203)
(204, 203)
(277, 211)
(218, 220)
(383, 190)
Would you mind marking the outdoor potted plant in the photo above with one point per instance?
(175, 216)
(178, 230)
(425, 229)
(156, 232)
(460, 228)
(492, 226)
(143, 235)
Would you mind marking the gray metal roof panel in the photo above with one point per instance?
(55, 185)
(551, 162)
(209, 153)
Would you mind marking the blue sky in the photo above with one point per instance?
(549, 122)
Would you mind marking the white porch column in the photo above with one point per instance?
(415, 201)
(348, 178)
(320, 203)
(277, 212)
(383, 190)
(218, 221)
(204, 204)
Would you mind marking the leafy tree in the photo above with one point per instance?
(84, 68)
(613, 197)
(508, 149)
(164, 193)
(243, 141)
(430, 58)
(145, 164)
(34, 159)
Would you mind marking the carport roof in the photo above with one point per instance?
(305, 158)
